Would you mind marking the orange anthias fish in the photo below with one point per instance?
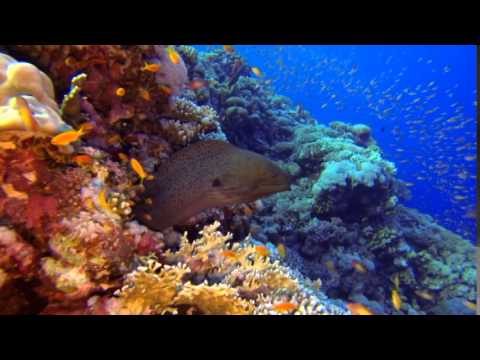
(285, 307)
(11, 192)
(229, 253)
(120, 92)
(281, 250)
(165, 89)
(123, 157)
(358, 266)
(262, 250)
(173, 55)
(257, 71)
(359, 309)
(197, 84)
(7, 145)
(144, 94)
(228, 48)
(67, 137)
(83, 159)
(26, 114)
(151, 67)
(138, 168)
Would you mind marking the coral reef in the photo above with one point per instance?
(69, 243)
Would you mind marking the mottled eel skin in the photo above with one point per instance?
(205, 175)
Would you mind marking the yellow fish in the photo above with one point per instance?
(396, 281)
(102, 200)
(358, 266)
(151, 67)
(26, 114)
(396, 300)
(173, 55)
(470, 305)
(281, 250)
(257, 71)
(138, 168)
(425, 295)
(10, 191)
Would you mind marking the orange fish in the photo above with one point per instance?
(285, 307)
(197, 84)
(173, 55)
(87, 127)
(67, 137)
(165, 89)
(10, 191)
(281, 250)
(114, 139)
(262, 250)
(358, 266)
(138, 168)
(151, 67)
(229, 49)
(230, 254)
(26, 114)
(359, 309)
(257, 71)
(7, 145)
(144, 94)
(70, 61)
(123, 157)
(120, 92)
(83, 159)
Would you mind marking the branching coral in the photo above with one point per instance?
(208, 276)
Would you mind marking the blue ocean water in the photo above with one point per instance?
(420, 102)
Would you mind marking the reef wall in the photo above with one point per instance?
(72, 119)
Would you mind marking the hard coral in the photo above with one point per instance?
(109, 67)
(208, 276)
(26, 80)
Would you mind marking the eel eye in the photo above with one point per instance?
(216, 182)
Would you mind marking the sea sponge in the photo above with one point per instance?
(26, 80)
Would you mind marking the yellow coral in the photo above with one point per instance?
(20, 78)
(215, 299)
(151, 289)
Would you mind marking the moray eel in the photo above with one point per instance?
(205, 175)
